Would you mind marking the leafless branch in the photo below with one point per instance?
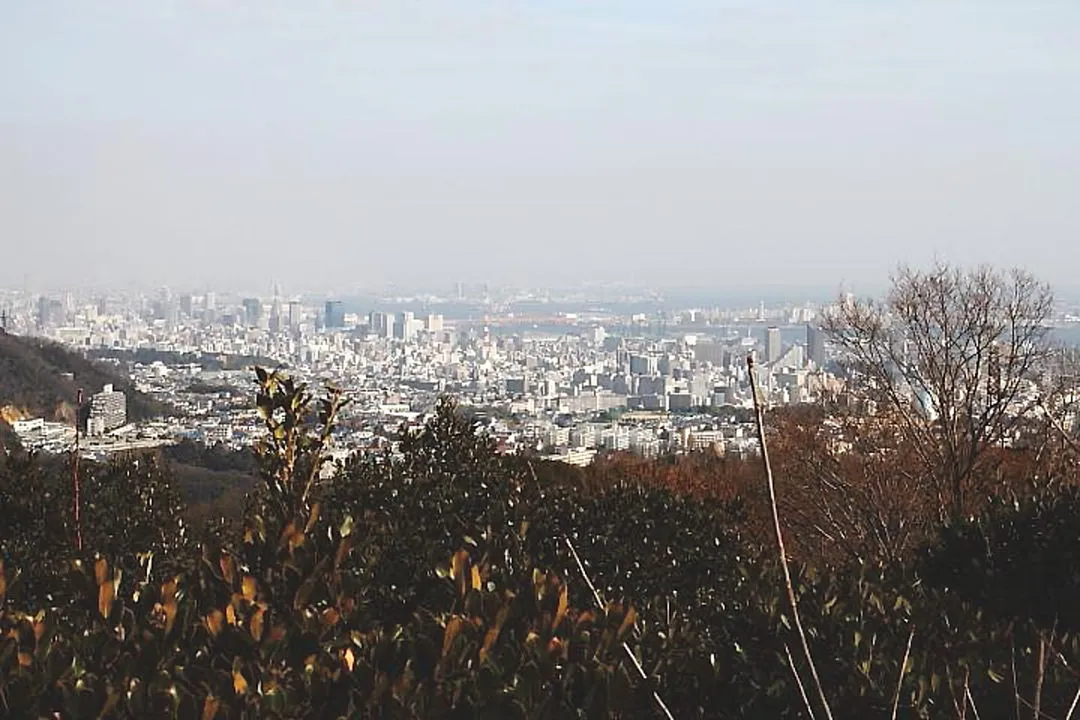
(903, 671)
(760, 420)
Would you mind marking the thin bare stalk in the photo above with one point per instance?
(75, 483)
(903, 671)
(626, 647)
(1072, 708)
(967, 694)
(1041, 715)
(1040, 676)
(760, 420)
(600, 605)
(335, 403)
(1056, 424)
(798, 682)
(1016, 687)
(959, 704)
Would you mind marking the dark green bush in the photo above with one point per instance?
(441, 581)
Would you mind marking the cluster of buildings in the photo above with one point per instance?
(102, 430)
(566, 382)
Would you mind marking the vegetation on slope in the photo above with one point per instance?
(440, 583)
(36, 380)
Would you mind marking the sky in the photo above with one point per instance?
(334, 144)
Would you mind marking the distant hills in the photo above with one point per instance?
(208, 361)
(39, 378)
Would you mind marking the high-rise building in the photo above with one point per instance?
(643, 365)
(170, 310)
(277, 321)
(405, 328)
(815, 344)
(108, 411)
(517, 386)
(381, 324)
(773, 345)
(712, 352)
(253, 310)
(294, 313)
(334, 315)
(433, 323)
(48, 311)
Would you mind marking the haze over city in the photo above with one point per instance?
(334, 144)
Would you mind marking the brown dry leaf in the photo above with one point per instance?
(458, 569)
(110, 704)
(344, 547)
(296, 540)
(213, 622)
(256, 625)
(248, 587)
(475, 578)
(105, 599)
(240, 685)
(564, 604)
(168, 589)
(286, 535)
(500, 619)
(330, 617)
(539, 584)
(170, 608)
(313, 517)
(39, 625)
(403, 684)
(350, 659)
(101, 570)
(627, 623)
(457, 564)
(3, 583)
(25, 659)
(489, 640)
(210, 707)
(453, 627)
(230, 615)
(228, 570)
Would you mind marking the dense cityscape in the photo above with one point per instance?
(557, 375)
(566, 382)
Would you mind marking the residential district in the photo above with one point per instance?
(566, 376)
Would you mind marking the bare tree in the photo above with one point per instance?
(955, 355)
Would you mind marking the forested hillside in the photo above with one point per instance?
(34, 382)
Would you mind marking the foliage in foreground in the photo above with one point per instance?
(439, 582)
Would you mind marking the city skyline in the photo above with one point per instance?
(703, 143)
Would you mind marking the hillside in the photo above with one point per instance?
(35, 382)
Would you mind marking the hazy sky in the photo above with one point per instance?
(545, 142)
